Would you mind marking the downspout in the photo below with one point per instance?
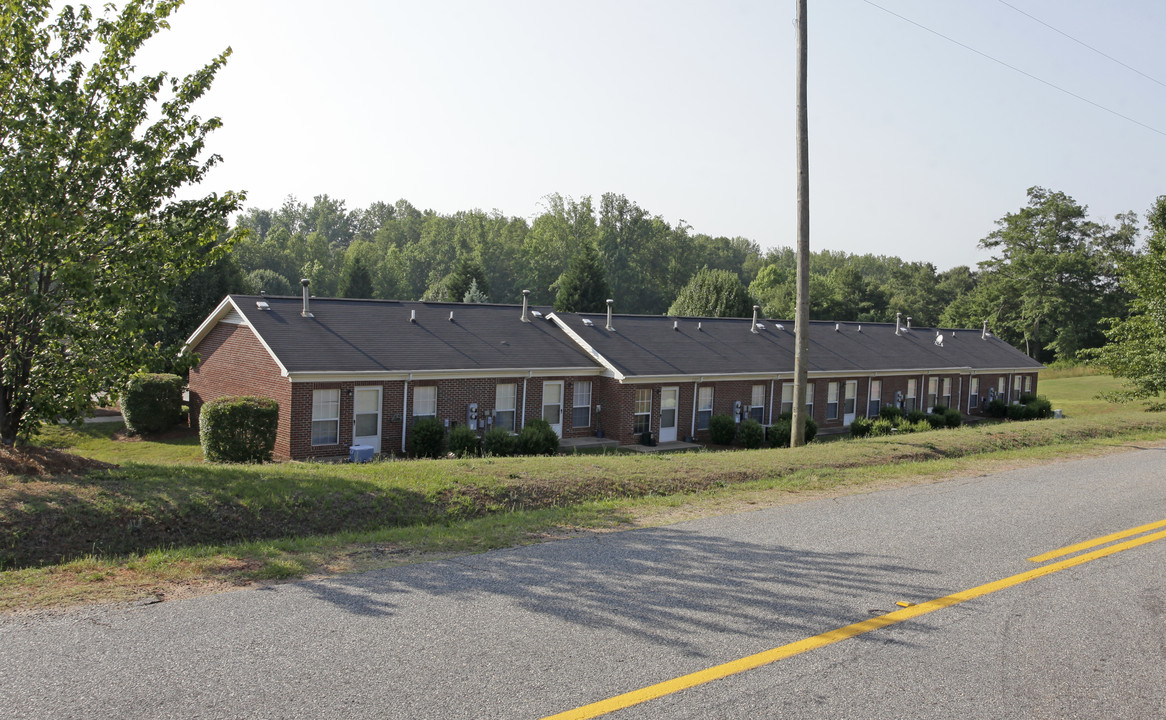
(960, 391)
(405, 414)
(771, 382)
(695, 386)
(529, 373)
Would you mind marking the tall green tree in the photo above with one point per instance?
(467, 272)
(92, 241)
(583, 288)
(357, 281)
(713, 293)
(1136, 350)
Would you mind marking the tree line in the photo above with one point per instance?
(1052, 278)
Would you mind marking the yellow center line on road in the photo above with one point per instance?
(668, 687)
(1053, 554)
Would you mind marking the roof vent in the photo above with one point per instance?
(588, 323)
(753, 327)
(676, 325)
(984, 335)
(451, 315)
(413, 316)
(699, 328)
(908, 323)
(305, 283)
(525, 295)
(860, 328)
(837, 327)
(263, 305)
(779, 326)
(609, 303)
(535, 314)
(898, 323)
(939, 340)
(760, 326)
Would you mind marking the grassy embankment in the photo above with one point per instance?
(163, 523)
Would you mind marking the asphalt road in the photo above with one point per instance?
(535, 631)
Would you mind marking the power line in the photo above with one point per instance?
(1018, 70)
(1083, 43)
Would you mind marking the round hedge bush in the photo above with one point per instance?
(722, 429)
(238, 429)
(860, 427)
(781, 430)
(499, 442)
(751, 434)
(428, 439)
(464, 442)
(152, 402)
(537, 438)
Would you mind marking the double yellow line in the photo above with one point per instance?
(668, 687)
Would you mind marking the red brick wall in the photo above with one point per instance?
(233, 362)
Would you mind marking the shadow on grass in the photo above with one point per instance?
(142, 506)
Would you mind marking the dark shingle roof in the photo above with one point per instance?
(654, 345)
(376, 335)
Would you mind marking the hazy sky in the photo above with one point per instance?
(917, 145)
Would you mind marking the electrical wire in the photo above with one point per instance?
(1083, 43)
(1018, 70)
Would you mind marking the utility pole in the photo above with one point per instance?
(802, 321)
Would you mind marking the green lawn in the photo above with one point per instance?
(164, 520)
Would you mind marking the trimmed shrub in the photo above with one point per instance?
(1027, 398)
(751, 434)
(464, 442)
(881, 427)
(499, 442)
(1039, 408)
(860, 427)
(537, 438)
(152, 402)
(953, 418)
(780, 431)
(997, 409)
(722, 429)
(915, 416)
(906, 427)
(1015, 412)
(428, 439)
(238, 429)
(890, 412)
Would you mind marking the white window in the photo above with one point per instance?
(1000, 381)
(832, 401)
(643, 411)
(1016, 388)
(810, 399)
(874, 402)
(850, 397)
(974, 393)
(912, 394)
(326, 417)
(504, 397)
(1028, 384)
(757, 405)
(932, 392)
(704, 407)
(947, 392)
(787, 397)
(581, 413)
(424, 402)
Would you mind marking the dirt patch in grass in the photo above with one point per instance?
(42, 462)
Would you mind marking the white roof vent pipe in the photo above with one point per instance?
(837, 327)
(525, 295)
(413, 316)
(753, 327)
(984, 334)
(609, 303)
(451, 315)
(898, 323)
(908, 323)
(676, 325)
(306, 313)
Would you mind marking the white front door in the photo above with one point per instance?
(669, 400)
(553, 406)
(848, 402)
(366, 417)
